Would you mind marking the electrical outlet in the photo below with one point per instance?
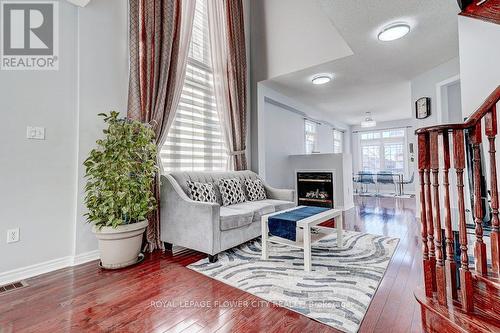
(13, 235)
(35, 133)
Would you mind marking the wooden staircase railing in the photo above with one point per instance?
(434, 163)
(486, 10)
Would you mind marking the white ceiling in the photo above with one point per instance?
(376, 77)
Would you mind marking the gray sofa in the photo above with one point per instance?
(210, 227)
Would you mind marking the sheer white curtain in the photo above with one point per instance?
(227, 41)
(187, 17)
(219, 52)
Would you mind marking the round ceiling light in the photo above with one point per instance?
(322, 78)
(369, 121)
(393, 32)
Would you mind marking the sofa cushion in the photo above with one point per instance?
(241, 214)
(231, 190)
(231, 218)
(279, 204)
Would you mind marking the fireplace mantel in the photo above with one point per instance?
(340, 164)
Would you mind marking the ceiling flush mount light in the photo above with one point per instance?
(368, 122)
(322, 78)
(393, 32)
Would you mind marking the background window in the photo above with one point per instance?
(338, 141)
(195, 141)
(370, 157)
(311, 136)
(383, 150)
(394, 157)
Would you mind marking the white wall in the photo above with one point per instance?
(424, 85)
(479, 44)
(41, 180)
(281, 134)
(37, 178)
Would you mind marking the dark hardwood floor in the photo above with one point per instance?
(155, 296)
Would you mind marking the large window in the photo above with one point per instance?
(311, 136)
(195, 140)
(383, 150)
(338, 141)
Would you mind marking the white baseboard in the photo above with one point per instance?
(46, 267)
(85, 257)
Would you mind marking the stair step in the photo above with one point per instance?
(452, 319)
(491, 280)
(487, 295)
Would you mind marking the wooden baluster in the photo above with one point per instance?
(465, 274)
(429, 217)
(422, 163)
(491, 132)
(436, 212)
(479, 247)
(450, 265)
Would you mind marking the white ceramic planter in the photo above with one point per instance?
(120, 247)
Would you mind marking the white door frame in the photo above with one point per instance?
(442, 95)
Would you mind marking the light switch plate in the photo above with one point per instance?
(13, 235)
(35, 133)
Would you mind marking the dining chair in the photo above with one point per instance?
(365, 178)
(407, 182)
(386, 178)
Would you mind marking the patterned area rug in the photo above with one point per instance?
(337, 292)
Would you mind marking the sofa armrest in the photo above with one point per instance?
(186, 222)
(280, 194)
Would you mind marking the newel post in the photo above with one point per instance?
(422, 165)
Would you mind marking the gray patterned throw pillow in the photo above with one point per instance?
(231, 191)
(255, 190)
(204, 192)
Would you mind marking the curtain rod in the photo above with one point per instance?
(381, 129)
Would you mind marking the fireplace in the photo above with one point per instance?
(315, 188)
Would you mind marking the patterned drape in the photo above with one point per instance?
(160, 31)
(237, 79)
(227, 39)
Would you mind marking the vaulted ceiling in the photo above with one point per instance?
(370, 75)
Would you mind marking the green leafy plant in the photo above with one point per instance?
(120, 173)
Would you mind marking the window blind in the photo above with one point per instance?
(338, 141)
(311, 137)
(195, 141)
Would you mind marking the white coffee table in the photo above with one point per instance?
(304, 237)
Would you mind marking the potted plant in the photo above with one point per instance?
(118, 194)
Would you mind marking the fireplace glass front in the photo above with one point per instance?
(315, 188)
